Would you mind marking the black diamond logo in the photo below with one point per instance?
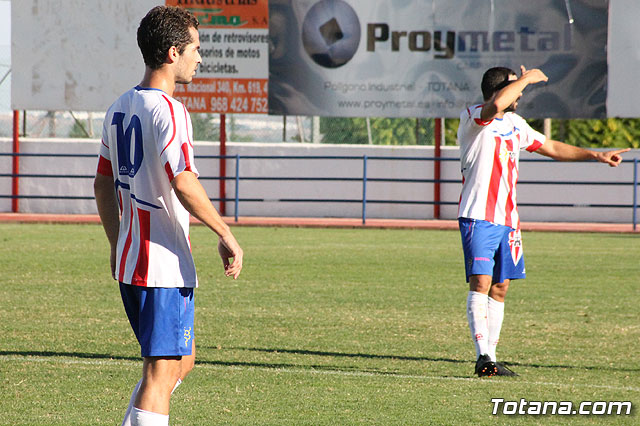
(331, 32)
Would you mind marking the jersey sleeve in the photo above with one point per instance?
(104, 157)
(175, 146)
(530, 139)
(474, 115)
(471, 123)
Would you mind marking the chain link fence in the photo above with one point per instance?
(239, 128)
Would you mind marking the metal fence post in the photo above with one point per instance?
(635, 191)
(15, 180)
(364, 189)
(237, 201)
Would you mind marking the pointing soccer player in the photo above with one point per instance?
(146, 187)
(491, 136)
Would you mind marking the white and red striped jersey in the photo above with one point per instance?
(146, 142)
(489, 155)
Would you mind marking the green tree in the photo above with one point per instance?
(384, 131)
(451, 131)
(79, 129)
(343, 130)
(204, 127)
(607, 133)
(591, 133)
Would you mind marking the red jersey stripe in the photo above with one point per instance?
(479, 121)
(511, 165)
(534, 146)
(120, 201)
(127, 245)
(185, 153)
(460, 198)
(104, 166)
(167, 168)
(142, 265)
(173, 123)
(186, 120)
(482, 123)
(494, 183)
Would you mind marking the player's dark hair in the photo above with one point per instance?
(161, 28)
(495, 79)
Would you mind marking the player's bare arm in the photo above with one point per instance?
(508, 95)
(195, 200)
(109, 213)
(564, 152)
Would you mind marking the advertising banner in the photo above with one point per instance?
(234, 45)
(425, 58)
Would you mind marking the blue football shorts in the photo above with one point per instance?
(491, 249)
(161, 318)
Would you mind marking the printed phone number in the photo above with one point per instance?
(239, 104)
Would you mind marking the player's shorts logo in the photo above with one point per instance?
(515, 244)
(187, 336)
(331, 33)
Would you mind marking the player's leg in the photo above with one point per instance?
(164, 328)
(127, 415)
(509, 266)
(495, 318)
(477, 300)
(495, 314)
(188, 362)
(131, 301)
(159, 377)
(477, 317)
(480, 240)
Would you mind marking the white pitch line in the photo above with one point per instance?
(53, 360)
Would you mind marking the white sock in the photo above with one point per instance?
(496, 316)
(127, 414)
(147, 418)
(478, 325)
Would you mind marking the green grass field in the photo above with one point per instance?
(323, 327)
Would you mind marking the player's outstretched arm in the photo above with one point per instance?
(109, 213)
(194, 198)
(564, 152)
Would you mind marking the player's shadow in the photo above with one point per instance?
(94, 356)
(420, 358)
(324, 367)
(281, 365)
(81, 355)
(348, 355)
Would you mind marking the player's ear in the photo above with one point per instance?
(172, 54)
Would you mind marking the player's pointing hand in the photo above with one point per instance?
(612, 158)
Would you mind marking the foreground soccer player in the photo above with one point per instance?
(491, 136)
(146, 174)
